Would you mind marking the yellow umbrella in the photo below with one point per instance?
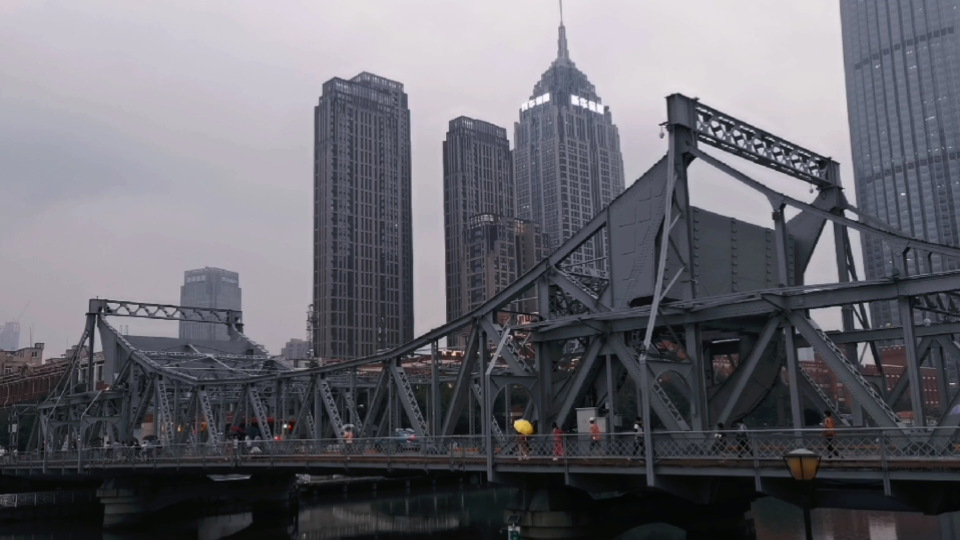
(523, 427)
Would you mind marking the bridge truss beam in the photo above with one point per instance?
(637, 333)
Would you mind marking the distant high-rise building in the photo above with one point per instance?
(498, 251)
(295, 349)
(209, 288)
(10, 336)
(363, 239)
(902, 64)
(477, 179)
(567, 160)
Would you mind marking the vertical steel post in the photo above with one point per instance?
(544, 361)
(506, 408)
(943, 383)
(702, 369)
(913, 365)
(353, 397)
(484, 358)
(317, 410)
(90, 342)
(435, 419)
(790, 346)
(390, 406)
(611, 402)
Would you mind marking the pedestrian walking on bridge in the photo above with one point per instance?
(829, 432)
(594, 437)
(639, 449)
(557, 442)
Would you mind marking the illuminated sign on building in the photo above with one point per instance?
(539, 100)
(583, 102)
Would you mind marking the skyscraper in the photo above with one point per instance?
(363, 240)
(209, 287)
(902, 64)
(477, 179)
(567, 161)
(10, 336)
(498, 250)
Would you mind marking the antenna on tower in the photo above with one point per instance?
(561, 12)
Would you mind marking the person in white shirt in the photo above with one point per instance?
(638, 443)
(743, 446)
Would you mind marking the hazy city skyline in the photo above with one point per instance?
(126, 135)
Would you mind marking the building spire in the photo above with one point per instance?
(562, 51)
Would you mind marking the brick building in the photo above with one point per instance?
(893, 359)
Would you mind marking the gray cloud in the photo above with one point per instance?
(141, 139)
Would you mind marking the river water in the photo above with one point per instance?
(471, 513)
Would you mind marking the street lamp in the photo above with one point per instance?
(803, 465)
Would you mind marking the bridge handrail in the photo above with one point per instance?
(870, 445)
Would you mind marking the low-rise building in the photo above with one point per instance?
(11, 361)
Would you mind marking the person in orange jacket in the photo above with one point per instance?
(829, 432)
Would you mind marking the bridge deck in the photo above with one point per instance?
(857, 454)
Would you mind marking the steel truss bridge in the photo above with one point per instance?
(680, 285)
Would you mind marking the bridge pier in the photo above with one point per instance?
(131, 500)
(554, 513)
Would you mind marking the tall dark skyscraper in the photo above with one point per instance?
(902, 64)
(567, 160)
(209, 288)
(477, 179)
(363, 239)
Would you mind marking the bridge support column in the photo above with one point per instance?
(554, 513)
(127, 501)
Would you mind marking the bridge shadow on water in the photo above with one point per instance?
(455, 513)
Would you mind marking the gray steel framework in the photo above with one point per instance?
(682, 284)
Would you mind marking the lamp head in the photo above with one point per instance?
(802, 464)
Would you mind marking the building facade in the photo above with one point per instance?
(567, 160)
(296, 349)
(363, 238)
(10, 336)
(477, 179)
(498, 251)
(209, 287)
(902, 65)
(894, 365)
(12, 361)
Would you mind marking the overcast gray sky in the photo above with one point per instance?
(140, 139)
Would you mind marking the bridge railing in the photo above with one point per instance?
(872, 445)
(458, 446)
(850, 444)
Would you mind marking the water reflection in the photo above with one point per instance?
(776, 520)
(470, 513)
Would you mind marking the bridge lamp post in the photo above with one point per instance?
(803, 466)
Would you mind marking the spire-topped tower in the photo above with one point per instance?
(562, 50)
(567, 160)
